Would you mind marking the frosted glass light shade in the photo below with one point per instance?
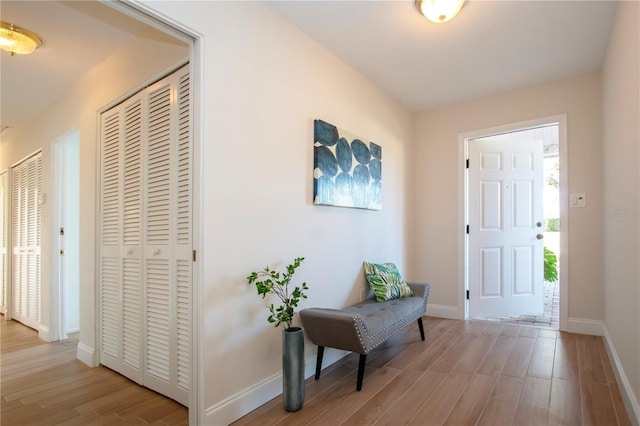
(439, 11)
(16, 40)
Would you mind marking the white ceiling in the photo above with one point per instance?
(76, 35)
(491, 47)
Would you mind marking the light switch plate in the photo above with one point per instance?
(578, 200)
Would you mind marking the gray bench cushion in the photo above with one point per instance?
(365, 325)
(381, 320)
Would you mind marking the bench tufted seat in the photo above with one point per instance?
(362, 327)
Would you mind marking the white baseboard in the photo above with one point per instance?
(231, 409)
(585, 326)
(443, 311)
(44, 333)
(87, 355)
(628, 396)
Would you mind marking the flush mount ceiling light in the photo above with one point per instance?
(16, 40)
(439, 11)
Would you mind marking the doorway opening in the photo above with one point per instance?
(193, 42)
(67, 233)
(500, 265)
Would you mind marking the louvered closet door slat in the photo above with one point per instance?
(132, 173)
(27, 178)
(158, 209)
(183, 233)
(131, 313)
(183, 323)
(4, 226)
(132, 235)
(110, 312)
(16, 250)
(111, 134)
(183, 216)
(157, 318)
(33, 240)
(110, 262)
(168, 237)
(121, 257)
(157, 227)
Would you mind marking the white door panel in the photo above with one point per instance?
(505, 217)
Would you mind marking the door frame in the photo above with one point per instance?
(149, 16)
(463, 216)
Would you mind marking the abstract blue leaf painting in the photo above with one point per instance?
(347, 172)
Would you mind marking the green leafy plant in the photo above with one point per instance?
(552, 224)
(550, 266)
(269, 281)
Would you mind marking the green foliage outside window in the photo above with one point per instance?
(550, 266)
(552, 225)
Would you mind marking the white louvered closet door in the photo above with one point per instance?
(4, 227)
(167, 236)
(120, 263)
(25, 240)
(146, 237)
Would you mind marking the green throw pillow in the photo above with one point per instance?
(385, 281)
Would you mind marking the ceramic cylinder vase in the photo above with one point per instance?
(293, 368)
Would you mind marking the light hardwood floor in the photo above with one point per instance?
(44, 384)
(465, 373)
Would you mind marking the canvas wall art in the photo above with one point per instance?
(347, 172)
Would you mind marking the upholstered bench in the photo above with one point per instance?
(362, 327)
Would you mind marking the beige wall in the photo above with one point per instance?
(435, 185)
(77, 110)
(264, 84)
(621, 93)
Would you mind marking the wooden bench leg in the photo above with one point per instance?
(319, 361)
(361, 364)
(421, 328)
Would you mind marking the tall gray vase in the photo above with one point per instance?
(293, 368)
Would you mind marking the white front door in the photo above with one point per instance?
(505, 228)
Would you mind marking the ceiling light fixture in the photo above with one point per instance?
(439, 11)
(16, 40)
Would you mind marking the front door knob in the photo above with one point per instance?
(539, 236)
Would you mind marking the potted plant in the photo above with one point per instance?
(269, 281)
